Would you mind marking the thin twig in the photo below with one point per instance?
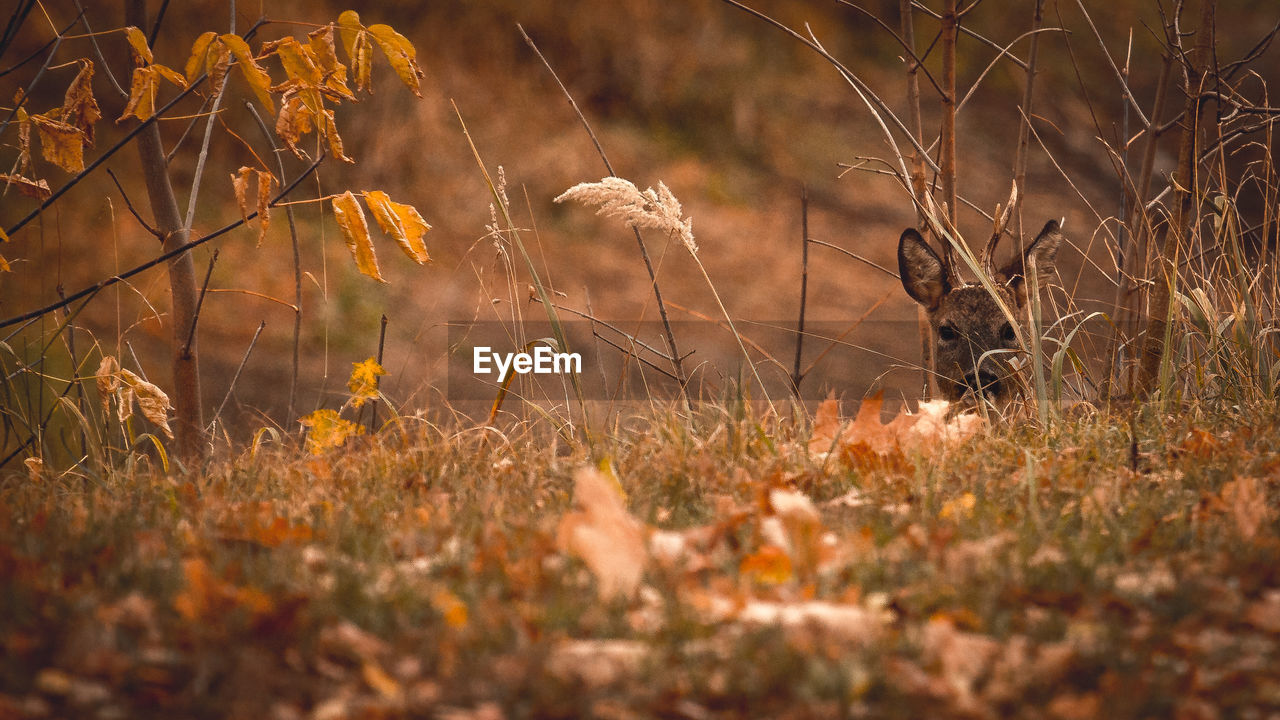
(163, 257)
(297, 258)
(129, 204)
(796, 375)
(644, 252)
(195, 317)
(93, 38)
(1024, 133)
(129, 136)
(382, 339)
(218, 92)
(906, 39)
(1128, 94)
(967, 31)
(857, 257)
(950, 24)
(236, 378)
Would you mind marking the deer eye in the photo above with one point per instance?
(1007, 334)
(947, 333)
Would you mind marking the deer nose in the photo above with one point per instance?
(984, 381)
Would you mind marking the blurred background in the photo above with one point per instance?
(731, 113)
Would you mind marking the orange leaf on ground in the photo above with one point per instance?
(603, 534)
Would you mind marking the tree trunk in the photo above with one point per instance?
(182, 279)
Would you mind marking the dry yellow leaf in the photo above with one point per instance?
(142, 95)
(216, 63)
(400, 53)
(38, 189)
(294, 121)
(199, 50)
(350, 218)
(363, 383)
(349, 28)
(4, 264)
(240, 183)
(152, 401)
(402, 222)
(170, 74)
(326, 57)
(108, 380)
(79, 108)
(328, 430)
(335, 141)
(297, 60)
(60, 143)
(138, 42)
(257, 78)
(264, 203)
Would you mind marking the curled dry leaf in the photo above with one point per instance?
(350, 218)
(142, 92)
(294, 121)
(152, 401)
(79, 107)
(38, 189)
(603, 534)
(138, 43)
(240, 183)
(402, 222)
(108, 380)
(60, 143)
(320, 42)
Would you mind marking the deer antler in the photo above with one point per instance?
(1001, 222)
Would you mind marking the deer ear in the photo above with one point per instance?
(923, 275)
(1044, 251)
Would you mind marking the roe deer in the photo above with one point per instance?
(973, 339)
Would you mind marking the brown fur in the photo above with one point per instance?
(966, 320)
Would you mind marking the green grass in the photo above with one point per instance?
(418, 572)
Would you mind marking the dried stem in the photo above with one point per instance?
(796, 375)
(236, 378)
(1155, 345)
(950, 23)
(163, 257)
(204, 288)
(644, 251)
(1024, 130)
(297, 258)
(382, 341)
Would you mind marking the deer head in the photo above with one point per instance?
(968, 324)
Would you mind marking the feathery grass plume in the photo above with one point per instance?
(658, 209)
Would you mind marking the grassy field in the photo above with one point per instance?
(1115, 566)
(1110, 549)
